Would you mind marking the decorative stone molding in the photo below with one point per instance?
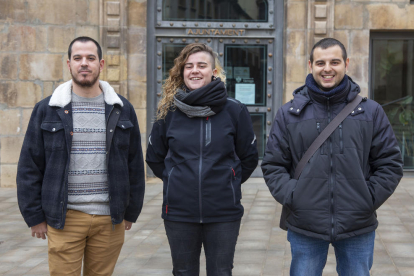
(320, 21)
(113, 32)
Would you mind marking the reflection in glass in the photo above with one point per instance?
(393, 85)
(169, 53)
(215, 10)
(259, 128)
(245, 67)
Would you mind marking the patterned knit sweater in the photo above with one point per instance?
(87, 179)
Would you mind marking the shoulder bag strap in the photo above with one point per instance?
(330, 128)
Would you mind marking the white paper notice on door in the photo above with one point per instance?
(245, 93)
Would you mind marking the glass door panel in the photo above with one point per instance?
(246, 73)
(215, 10)
(169, 52)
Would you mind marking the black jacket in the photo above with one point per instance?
(346, 180)
(42, 173)
(202, 162)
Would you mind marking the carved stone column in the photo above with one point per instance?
(113, 33)
(320, 21)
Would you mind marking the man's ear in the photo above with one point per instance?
(346, 65)
(68, 62)
(310, 66)
(101, 65)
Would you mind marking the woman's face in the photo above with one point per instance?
(198, 70)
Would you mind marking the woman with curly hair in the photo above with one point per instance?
(202, 146)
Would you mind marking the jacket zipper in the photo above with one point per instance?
(331, 184)
(200, 166)
(341, 142)
(318, 127)
(233, 174)
(168, 188)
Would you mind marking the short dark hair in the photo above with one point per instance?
(85, 39)
(327, 43)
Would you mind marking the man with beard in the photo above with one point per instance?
(80, 178)
(334, 200)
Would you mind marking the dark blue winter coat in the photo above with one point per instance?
(202, 162)
(347, 179)
(42, 176)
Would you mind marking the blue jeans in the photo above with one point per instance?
(354, 256)
(219, 241)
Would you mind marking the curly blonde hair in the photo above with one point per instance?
(176, 80)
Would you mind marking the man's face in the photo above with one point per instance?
(84, 64)
(328, 67)
(198, 70)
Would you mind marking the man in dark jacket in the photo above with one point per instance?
(349, 177)
(80, 178)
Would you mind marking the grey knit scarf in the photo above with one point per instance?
(193, 111)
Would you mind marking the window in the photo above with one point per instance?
(392, 85)
(215, 10)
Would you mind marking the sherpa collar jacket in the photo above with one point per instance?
(347, 179)
(202, 162)
(42, 173)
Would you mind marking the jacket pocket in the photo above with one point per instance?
(122, 134)
(53, 135)
(168, 188)
(232, 177)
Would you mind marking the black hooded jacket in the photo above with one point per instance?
(202, 162)
(350, 176)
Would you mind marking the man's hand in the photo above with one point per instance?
(128, 225)
(40, 230)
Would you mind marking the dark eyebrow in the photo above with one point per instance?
(335, 59)
(201, 62)
(88, 55)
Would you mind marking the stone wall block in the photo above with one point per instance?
(47, 89)
(28, 94)
(12, 10)
(46, 67)
(26, 113)
(138, 94)
(137, 14)
(59, 38)
(8, 66)
(137, 41)
(320, 11)
(343, 37)
(8, 176)
(10, 122)
(113, 8)
(10, 149)
(91, 31)
(142, 120)
(113, 41)
(296, 15)
(295, 43)
(359, 43)
(289, 88)
(113, 24)
(349, 16)
(52, 11)
(296, 68)
(137, 68)
(66, 75)
(93, 13)
(112, 58)
(7, 88)
(390, 16)
(82, 7)
(320, 27)
(22, 38)
(358, 69)
(113, 74)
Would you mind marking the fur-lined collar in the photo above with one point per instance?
(63, 94)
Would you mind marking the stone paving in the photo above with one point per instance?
(262, 248)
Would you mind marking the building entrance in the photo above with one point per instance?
(247, 36)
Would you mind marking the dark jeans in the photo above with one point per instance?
(219, 241)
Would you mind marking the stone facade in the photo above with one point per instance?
(35, 34)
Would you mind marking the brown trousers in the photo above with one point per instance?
(88, 237)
